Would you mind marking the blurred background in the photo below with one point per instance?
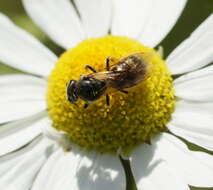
(195, 12)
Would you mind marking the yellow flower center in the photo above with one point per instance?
(131, 119)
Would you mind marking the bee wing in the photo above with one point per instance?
(106, 75)
(146, 57)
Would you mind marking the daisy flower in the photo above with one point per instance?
(48, 143)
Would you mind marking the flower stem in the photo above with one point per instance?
(130, 181)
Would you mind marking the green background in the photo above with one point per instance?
(195, 12)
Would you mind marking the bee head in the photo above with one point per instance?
(72, 95)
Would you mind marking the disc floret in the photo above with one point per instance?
(130, 119)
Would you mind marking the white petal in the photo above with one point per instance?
(146, 20)
(57, 136)
(160, 20)
(17, 134)
(196, 86)
(151, 173)
(207, 160)
(21, 96)
(17, 110)
(22, 87)
(126, 14)
(19, 169)
(193, 121)
(194, 168)
(58, 19)
(95, 16)
(81, 170)
(21, 50)
(195, 52)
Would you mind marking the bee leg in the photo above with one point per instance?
(107, 63)
(108, 60)
(124, 91)
(90, 68)
(86, 105)
(107, 100)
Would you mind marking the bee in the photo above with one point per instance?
(124, 73)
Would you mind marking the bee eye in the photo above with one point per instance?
(71, 91)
